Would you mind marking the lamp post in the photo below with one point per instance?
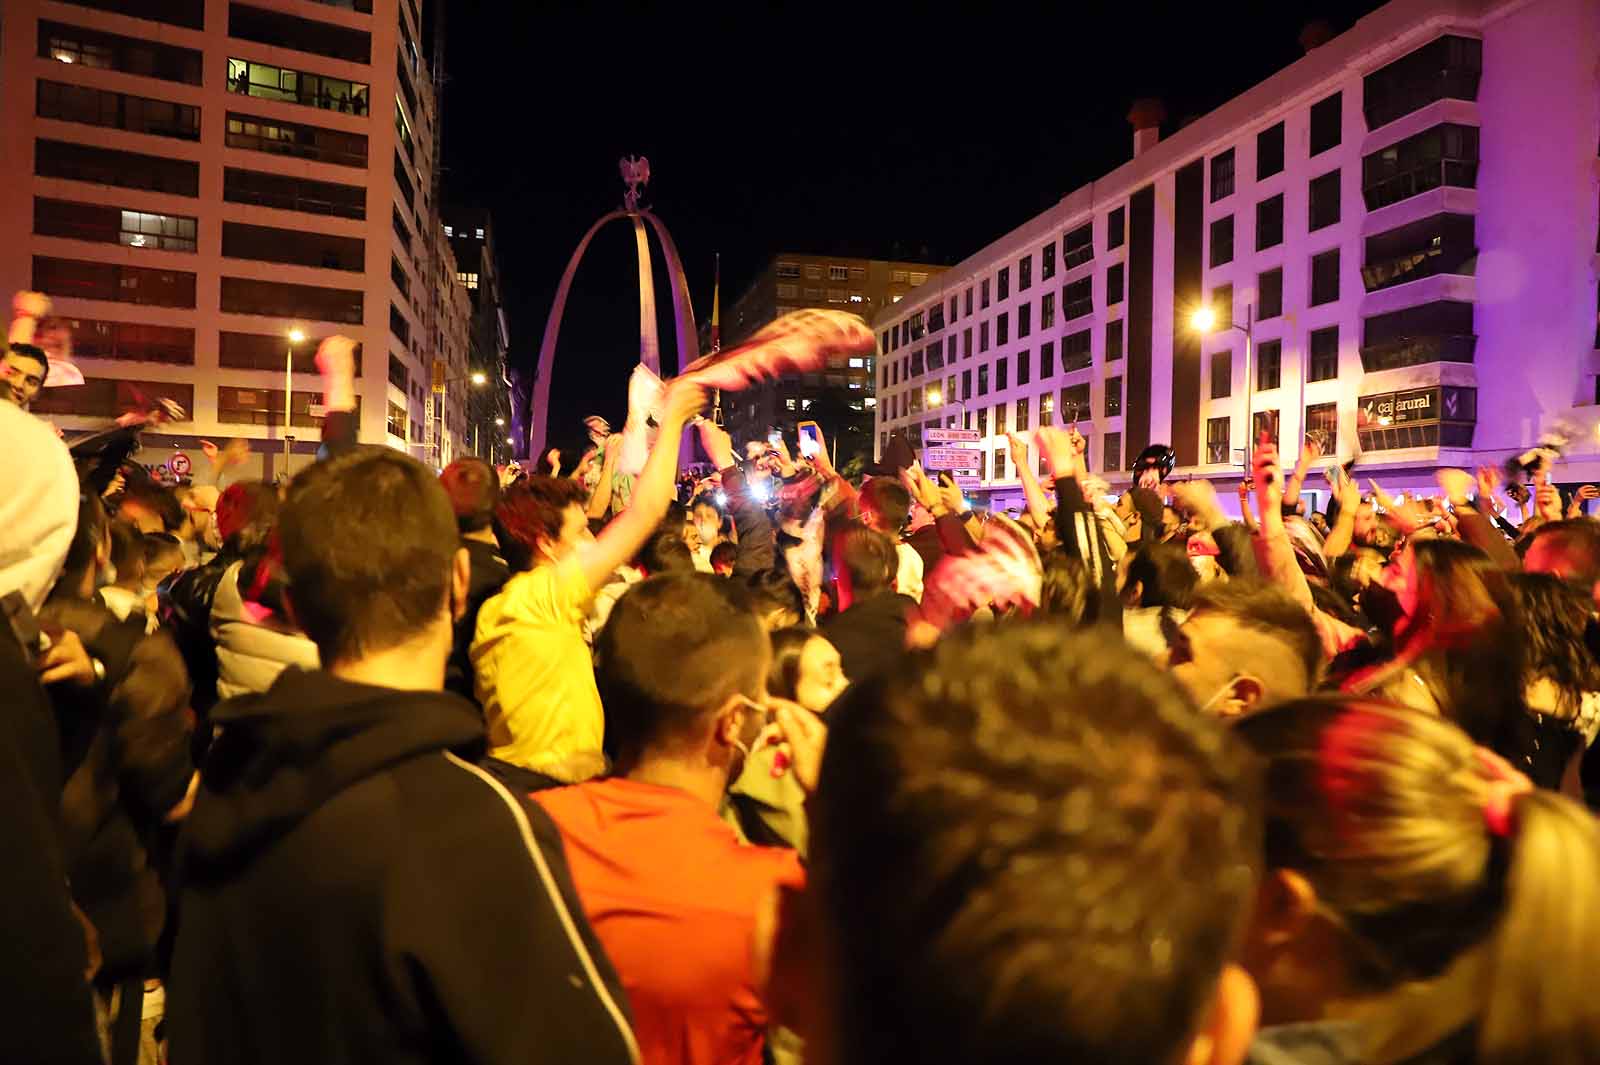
(1204, 320)
(936, 399)
(295, 336)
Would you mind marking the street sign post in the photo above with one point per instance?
(950, 436)
(951, 458)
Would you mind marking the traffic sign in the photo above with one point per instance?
(179, 464)
(951, 458)
(950, 436)
(969, 482)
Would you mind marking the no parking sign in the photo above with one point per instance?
(179, 464)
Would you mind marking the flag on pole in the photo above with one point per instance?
(716, 308)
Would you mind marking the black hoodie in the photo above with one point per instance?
(352, 891)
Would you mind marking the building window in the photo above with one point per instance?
(282, 30)
(1022, 413)
(1447, 154)
(1077, 247)
(952, 310)
(936, 355)
(110, 51)
(1327, 121)
(294, 246)
(111, 225)
(936, 318)
(1002, 372)
(999, 419)
(1111, 452)
(1222, 241)
(1448, 68)
(983, 380)
(1222, 305)
(1024, 320)
(398, 374)
(814, 273)
(1074, 401)
(1116, 228)
(108, 166)
(282, 300)
(966, 343)
(983, 294)
(983, 337)
(1113, 397)
(1047, 309)
(1269, 365)
(1047, 360)
(1442, 244)
(1324, 354)
(1025, 273)
(1269, 152)
(1269, 222)
(267, 82)
(469, 281)
(1047, 408)
(264, 406)
(1218, 451)
(1077, 299)
(999, 464)
(1322, 424)
(838, 273)
(1325, 277)
(115, 110)
(108, 398)
(918, 277)
(968, 309)
(1270, 288)
(1075, 353)
(80, 279)
(128, 342)
(287, 193)
(1222, 175)
(788, 291)
(1221, 374)
(1324, 201)
(1114, 340)
(1003, 283)
(966, 385)
(1440, 331)
(1047, 261)
(190, 13)
(789, 270)
(266, 351)
(1114, 284)
(399, 325)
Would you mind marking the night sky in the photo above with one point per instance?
(900, 133)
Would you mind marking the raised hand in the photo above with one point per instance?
(716, 442)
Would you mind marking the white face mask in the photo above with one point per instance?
(708, 532)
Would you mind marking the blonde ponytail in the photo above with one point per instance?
(1541, 1007)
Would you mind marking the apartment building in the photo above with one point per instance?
(470, 231)
(207, 188)
(1395, 239)
(841, 398)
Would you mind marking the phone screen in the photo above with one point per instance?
(810, 439)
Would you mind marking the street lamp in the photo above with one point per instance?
(936, 399)
(1204, 320)
(295, 335)
(500, 421)
(480, 378)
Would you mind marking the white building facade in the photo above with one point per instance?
(193, 181)
(1405, 222)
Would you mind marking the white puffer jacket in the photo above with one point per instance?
(253, 646)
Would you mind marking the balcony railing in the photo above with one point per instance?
(1417, 351)
(1435, 173)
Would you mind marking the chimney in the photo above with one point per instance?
(1316, 34)
(1146, 117)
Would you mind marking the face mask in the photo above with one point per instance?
(708, 532)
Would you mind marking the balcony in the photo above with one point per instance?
(1447, 154)
(1431, 332)
(266, 82)
(1443, 244)
(1448, 68)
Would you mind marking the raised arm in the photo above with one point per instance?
(653, 491)
(340, 425)
(1309, 452)
(1274, 553)
(600, 501)
(1038, 505)
(1344, 526)
(755, 547)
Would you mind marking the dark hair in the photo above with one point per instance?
(163, 502)
(889, 498)
(1383, 810)
(674, 648)
(35, 352)
(474, 491)
(86, 541)
(1028, 846)
(530, 510)
(1268, 609)
(665, 552)
(158, 546)
(367, 538)
(1165, 574)
(724, 554)
(1576, 538)
(769, 590)
(1555, 625)
(246, 513)
(1068, 590)
(783, 675)
(866, 558)
(127, 549)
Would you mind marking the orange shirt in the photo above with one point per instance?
(673, 896)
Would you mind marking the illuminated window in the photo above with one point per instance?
(918, 277)
(838, 273)
(297, 87)
(789, 404)
(449, 231)
(479, 233)
(469, 281)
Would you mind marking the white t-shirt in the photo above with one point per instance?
(908, 575)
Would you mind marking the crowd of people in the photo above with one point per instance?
(763, 765)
